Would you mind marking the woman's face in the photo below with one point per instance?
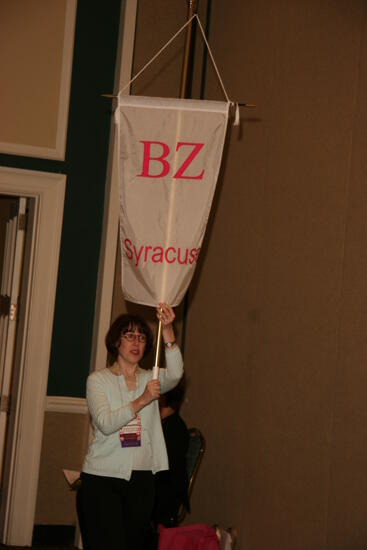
(132, 346)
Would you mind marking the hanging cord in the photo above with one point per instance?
(157, 54)
(211, 57)
(232, 103)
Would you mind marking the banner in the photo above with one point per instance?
(169, 157)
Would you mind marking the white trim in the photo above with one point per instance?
(169, 103)
(73, 405)
(31, 150)
(19, 500)
(57, 153)
(107, 261)
(65, 84)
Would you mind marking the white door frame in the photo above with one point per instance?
(48, 191)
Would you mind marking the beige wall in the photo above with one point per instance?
(276, 350)
(65, 438)
(30, 71)
(36, 42)
(284, 283)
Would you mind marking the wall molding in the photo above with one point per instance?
(57, 152)
(63, 404)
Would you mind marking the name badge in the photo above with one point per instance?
(130, 435)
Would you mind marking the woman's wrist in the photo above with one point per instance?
(138, 404)
(135, 405)
(168, 334)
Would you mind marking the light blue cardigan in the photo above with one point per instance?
(109, 405)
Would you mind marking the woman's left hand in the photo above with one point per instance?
(165, 314)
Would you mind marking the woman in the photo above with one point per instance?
(117, 492)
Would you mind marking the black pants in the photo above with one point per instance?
(114, 513)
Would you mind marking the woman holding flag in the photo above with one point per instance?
(117, 492)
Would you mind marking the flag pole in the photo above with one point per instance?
(186, 75)
(157, 351)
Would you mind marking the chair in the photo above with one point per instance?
(194, 455)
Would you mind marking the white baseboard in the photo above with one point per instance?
(75, 405)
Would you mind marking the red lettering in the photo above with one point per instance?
(157, 256)
(194, 253)
(138, 255)
(128, 251)
(179, 257)
(146, 253)
(196, 149)
(166, 255)
(147, 158)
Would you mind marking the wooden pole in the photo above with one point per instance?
(157, 351)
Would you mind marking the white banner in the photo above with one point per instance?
(169, 157)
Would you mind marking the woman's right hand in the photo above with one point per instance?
(152, 391)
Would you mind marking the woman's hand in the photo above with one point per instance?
(166, 315)
(152, 391)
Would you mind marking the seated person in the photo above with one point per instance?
(171, 485)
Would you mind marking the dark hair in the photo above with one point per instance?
(175, 397)
(125, 323)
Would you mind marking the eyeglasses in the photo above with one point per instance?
(132, 336)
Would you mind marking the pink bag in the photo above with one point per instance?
(190, 537)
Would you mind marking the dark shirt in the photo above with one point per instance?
(172, 484)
